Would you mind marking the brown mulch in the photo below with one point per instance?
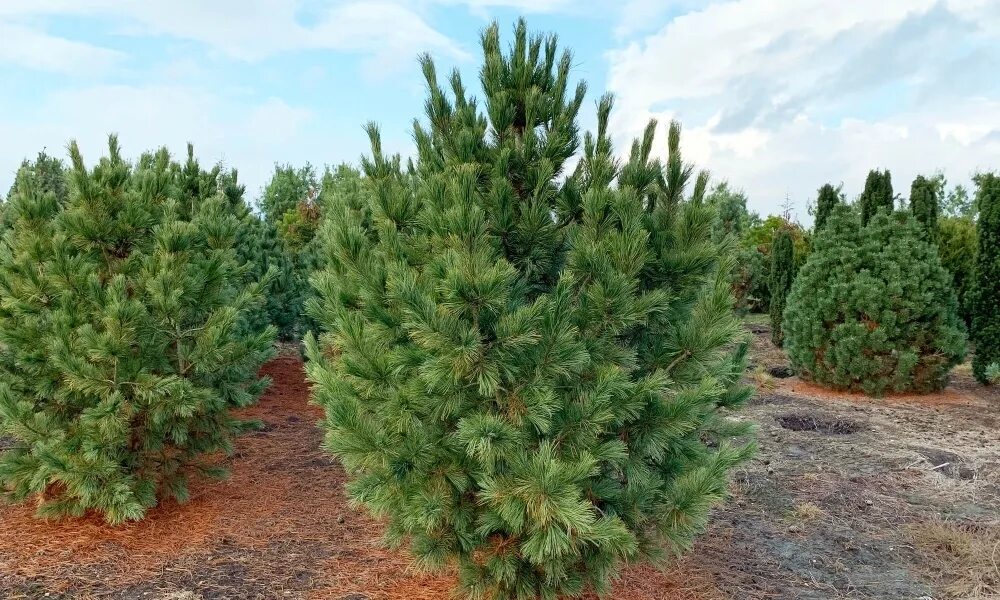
(279, 527)
(950, 396)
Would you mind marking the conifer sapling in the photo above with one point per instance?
(873, 310)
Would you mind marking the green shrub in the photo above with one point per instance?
(986, 289)
(873, 309)
(525, 372)
(782, 276)
(956, 239)
(123, 343)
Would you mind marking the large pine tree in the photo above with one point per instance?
(986, 289)
(123, 342)
(525, 372)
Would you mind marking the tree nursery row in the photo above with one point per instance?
(527, 343)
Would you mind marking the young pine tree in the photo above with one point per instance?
(782, 275)
(986, 289)
(877, 195)
(924, 205)
(873, 310)
(828, 197)
(122, 342)
(526, 373)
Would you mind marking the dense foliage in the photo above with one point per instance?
(986, 289)
(956, 239)
(782, 275)
(877, 195)
(873, 309)
(291, 206)
(924, 205)
(524, 372)
(731, 215)
(755, 260)
(827, 198)
(123, 336)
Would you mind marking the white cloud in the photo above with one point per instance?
(251, 30)
(781, 96)
(30, 48)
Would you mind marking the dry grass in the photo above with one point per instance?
(762, 380)
(808, 511)
(963, 558)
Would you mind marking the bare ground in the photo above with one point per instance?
(849, 497)
(853, 497)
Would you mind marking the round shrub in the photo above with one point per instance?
(873, 310)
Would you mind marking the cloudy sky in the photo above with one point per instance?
(776, 96)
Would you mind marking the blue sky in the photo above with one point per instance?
(776, 96)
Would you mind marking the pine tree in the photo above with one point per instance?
(986, 289)
(525, 373)
(782, 275)
(877, 195)
(122, 339)
(924, 205)
(873, 310)
(828, 198)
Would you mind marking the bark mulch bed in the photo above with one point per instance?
(279, 527)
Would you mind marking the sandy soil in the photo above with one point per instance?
(849, 497)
